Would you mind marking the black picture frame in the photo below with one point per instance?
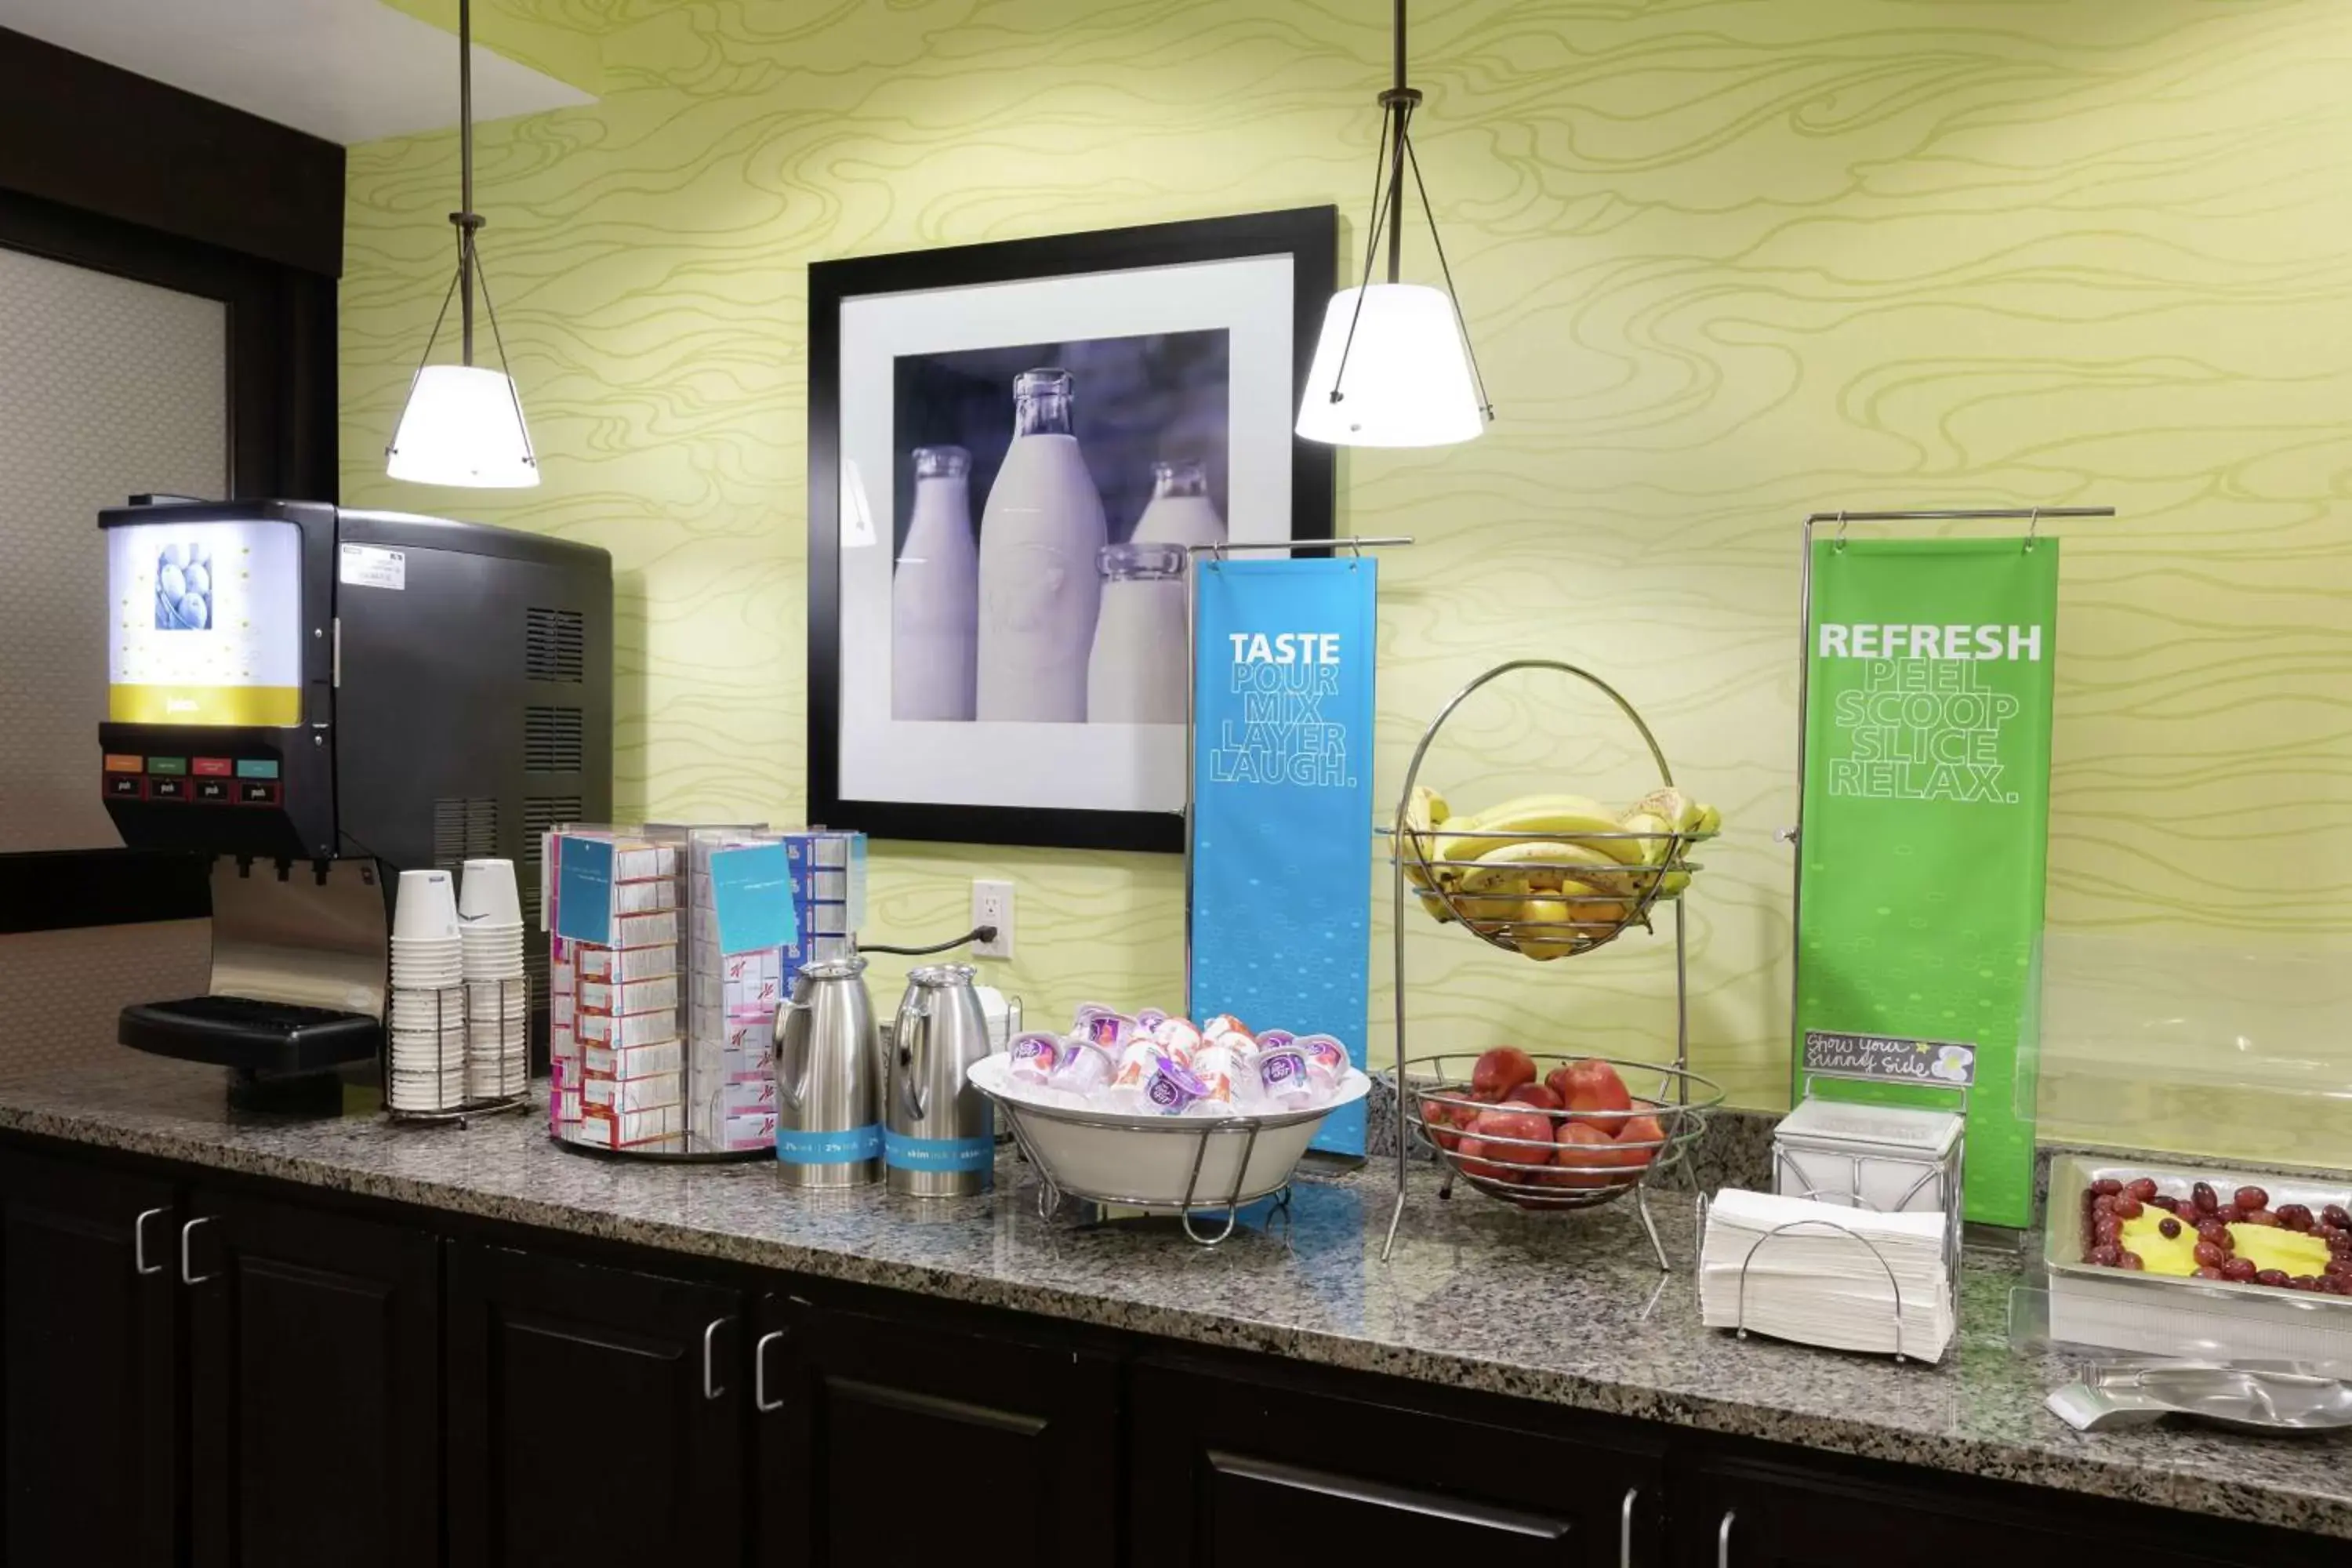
(1308, 235)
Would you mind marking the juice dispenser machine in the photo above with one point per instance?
(317, 699)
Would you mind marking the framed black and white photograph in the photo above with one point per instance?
(1012, 446)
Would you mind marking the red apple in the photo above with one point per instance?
(1484, 1153)
(1593, 1087)
(1639, 1140)
(1585, 1157)
(1536, 1094)
(1436, 1117)
(1501, 1070)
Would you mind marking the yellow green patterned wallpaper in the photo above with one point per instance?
(1726, 262)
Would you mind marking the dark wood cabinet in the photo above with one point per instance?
(886, 1443)
(314, 1387)
(1228, 1473)
(595, 1416)
(88, 1364)
(1771, 1514)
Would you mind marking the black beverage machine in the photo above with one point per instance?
(319, 699)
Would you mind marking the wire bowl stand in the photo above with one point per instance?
(1594, 899)
(1053, 1187)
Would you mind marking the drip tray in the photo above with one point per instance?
(256, 1037)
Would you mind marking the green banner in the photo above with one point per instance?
(1927, 818)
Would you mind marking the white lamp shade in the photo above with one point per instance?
(463, 426)
(1407, 382)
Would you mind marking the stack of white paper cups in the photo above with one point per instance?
(428, 997)
(498, 998)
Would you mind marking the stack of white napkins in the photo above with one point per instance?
(1822, 1286)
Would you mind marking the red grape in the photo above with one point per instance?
(2106, 1186)
(2214, 1231)
(2238, 1269)
(2134, 1260)
(2259, 1216)
(2275, 1278)
(2305, 1283)
(2208, 1255)
(2251, 1198)
(2210, 1273)
(2339, 1266)
(2143, 1188)
(2129, 1208)
(2104, 1204)
(2168, 1228)
(2340, 1244)
(2227, 1214)
(2295, 1216)
(2107, 1255)
(2203, 1196)
(2335, 1214)
(2107, 1228)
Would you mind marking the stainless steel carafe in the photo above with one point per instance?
(939, 1137)
(829, 1079)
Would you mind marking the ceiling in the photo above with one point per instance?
(348, 70)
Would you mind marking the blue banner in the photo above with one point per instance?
(1280, 905)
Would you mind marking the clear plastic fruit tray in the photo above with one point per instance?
(2159, 1314)
(1438, 1086)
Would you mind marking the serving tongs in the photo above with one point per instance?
(2249, 1398)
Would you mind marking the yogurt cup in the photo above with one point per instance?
(1105, 1027)
(1037, 1056)
(1084, 1068)
(1327, 1059)
(1171, 1088)
(1283, 1076)
(1217, 1064)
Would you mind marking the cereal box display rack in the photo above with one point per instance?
(669, 947)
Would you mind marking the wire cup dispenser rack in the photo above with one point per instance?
(456, 1014)
(1625, 897)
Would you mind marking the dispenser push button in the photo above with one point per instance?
(213, 791)
(254, 792)
(125, 786)
(167, 789)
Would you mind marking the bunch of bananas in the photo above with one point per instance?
(1550, 874)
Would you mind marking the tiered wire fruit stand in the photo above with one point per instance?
(1438, 1085)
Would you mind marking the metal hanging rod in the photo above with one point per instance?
(1964, 514)
(1355, 543)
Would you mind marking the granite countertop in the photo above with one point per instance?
(1567, 1308)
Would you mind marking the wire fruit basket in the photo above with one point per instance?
(1547, 890)
(1644, 1143)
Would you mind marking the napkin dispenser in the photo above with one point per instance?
(1888, 1158)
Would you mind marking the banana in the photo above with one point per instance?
(1525, 865)
(1709, 820)
(1654, 850)
(1423, 810)
(1437, 910)
(1681, 813)
(1565, 926)
(1567, 819)
(1671, 883)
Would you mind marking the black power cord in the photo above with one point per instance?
(977, 933)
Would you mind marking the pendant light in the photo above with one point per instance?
(1394, 367)
(464, 425)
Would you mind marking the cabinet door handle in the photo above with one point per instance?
(1625, 1528)
(139, 1264)
(711, 1388)
(188, 1275)
(1723, 1538)
(759, 1399)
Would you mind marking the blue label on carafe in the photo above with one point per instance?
(904, 1153)
(846, 1147)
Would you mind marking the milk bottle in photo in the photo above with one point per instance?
(1136, 673)
(1039, 537)
(935, 594)
(1180, 510)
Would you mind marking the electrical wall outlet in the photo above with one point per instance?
(991, 905)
